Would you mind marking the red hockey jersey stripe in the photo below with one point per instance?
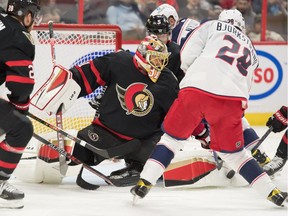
(19, 79)
(85, 81)
(18, 63)
(100, 81)
(8, 165)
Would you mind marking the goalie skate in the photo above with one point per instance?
(10, 197)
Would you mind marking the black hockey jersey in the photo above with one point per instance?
(174, 60)
(132, 105)
(17, 52)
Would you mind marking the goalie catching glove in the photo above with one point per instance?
(59, 90)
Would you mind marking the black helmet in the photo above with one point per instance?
(158, 24)
(21, 8)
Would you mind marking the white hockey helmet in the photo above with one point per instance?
(168, 11)
(234, 17)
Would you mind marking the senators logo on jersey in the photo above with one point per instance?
(136, 99)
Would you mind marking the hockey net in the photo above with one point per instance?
(74, 45)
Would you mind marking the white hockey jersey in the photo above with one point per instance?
(220, 59)
(182, 30)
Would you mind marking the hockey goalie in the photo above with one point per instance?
(197, 166)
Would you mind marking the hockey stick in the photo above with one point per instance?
(62, 160)
(262, 139)
(219, 162)
(72, 158)
(120, 150)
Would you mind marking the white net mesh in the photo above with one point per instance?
(73, 46)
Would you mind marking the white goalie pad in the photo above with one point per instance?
(195, 168)
(40, 163)
(59, 89)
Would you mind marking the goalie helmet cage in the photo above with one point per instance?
(74, 45)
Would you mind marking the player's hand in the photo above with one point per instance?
(278, 120)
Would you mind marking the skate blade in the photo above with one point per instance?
(11, 204)
(135, 199)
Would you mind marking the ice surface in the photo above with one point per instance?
(67, 199)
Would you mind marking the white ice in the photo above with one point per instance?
(70, 200)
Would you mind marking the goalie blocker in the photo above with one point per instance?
(59, 89)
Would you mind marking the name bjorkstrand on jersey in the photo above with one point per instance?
(222, 26)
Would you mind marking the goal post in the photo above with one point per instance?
(74, 45)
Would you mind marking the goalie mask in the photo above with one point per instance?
(234, 17)
(152, 56)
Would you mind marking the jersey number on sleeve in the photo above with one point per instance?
(243, 62)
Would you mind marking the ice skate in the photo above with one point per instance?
(275, 165)
(140, 190)
(10, 197)
(127, 176)
(277, 197)
(261, 157)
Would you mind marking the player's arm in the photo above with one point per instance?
(93, 74)
(65, 86)
(278, 120)
(19, 79)
(193, 46)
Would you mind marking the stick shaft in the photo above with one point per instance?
(262, 138)
(72, 158)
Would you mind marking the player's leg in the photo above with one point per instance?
(135, 161)
(280, 158)
(251, 138)
(227, 139)
(18, 131)
(179, 123)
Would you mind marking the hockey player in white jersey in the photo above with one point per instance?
(181, 30)
(180, 27)
(219, 61)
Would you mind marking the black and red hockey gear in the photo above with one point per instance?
(279, 120)
(16, 70)
(133, 106)
(23, 7)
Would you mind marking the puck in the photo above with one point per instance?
(230, 174)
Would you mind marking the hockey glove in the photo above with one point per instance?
(95, 102)
(279, 120)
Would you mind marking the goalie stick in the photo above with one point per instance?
(121, 150)
(75, 160)
(62, 160)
